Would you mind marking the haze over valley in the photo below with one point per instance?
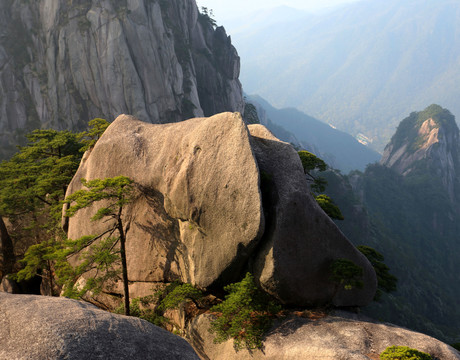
(362, 67)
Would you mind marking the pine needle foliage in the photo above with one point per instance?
(116, 193)
(346, 274)
(311, 165)
(33, 184)
(386, 281)
(245, 315)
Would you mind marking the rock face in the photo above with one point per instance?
(427, 140)
(199, 214)
(38, 327)
(63, 63)
(299, 243)
(342, 336)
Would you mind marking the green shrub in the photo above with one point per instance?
(143, 312)
(329, 207)
(245, 315)
(403, 353)
(345, 273)
(386, 281)
(152, 308)
(176, 293)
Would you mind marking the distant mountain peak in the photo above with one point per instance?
(427, 140)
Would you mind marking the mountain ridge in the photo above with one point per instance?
(407, 208)
(361, 68)
(339, 149)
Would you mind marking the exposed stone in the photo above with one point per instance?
(9, 286)
(343, 336)
(300, 241)
(199, 215)
(39, 327)
(431, 143)
(63, 63)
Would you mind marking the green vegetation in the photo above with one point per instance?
(206, 17)
(245, 315)
(33, 184)
(386, 281)
(413, 223)
(141, 307)
(329, 207)
(403, 353)
(153, 307)
(346, 274)
(408, 129)
(89, 138)
(177, 293)
(115, 193)
(312, 163)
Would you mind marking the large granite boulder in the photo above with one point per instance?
(39, 327)
(300, 242)
(343, 336)
(199, 216)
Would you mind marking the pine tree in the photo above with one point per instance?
(114, 193)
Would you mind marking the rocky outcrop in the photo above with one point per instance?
(340, 336)
(300, 242)
(39, 327)
(63, 63)
(200, 214)
(427, 140)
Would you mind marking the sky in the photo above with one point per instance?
(224, 9)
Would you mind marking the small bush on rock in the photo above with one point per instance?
(176, 293)
(245, 315)
(153, 307)
(345, 273)
(403, 353)
(139, 307)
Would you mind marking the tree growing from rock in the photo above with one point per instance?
(311, 163)
(98, 253)
(345, 274)
(245, 315)
(32, 185)
(386, 281)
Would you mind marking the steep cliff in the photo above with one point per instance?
(65, 62)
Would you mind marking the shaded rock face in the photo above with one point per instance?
(38, 327)
(300, 242)
(342, 336)
(199, 215)
(430, 140)
(63, 63)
